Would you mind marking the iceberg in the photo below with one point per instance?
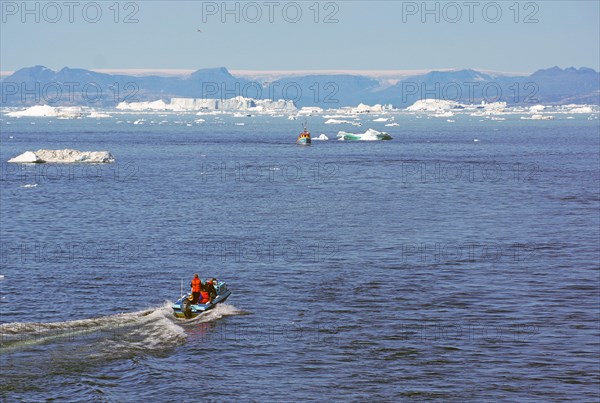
(46, 111)
(63, 157)
(98, 115)
(321, 137)
(310, 110)
(582, 109)
(538, 117)
(537, 108)
(28, 157)
(159, 105)
(369, 135)
(362, 108)
(35, 111)
(238, 103)
(340, 122)
(434, 105)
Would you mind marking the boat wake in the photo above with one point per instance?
(146, 331)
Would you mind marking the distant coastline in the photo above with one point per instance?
(324, 88)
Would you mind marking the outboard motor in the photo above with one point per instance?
(186, 308)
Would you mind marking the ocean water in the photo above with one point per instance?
(428, 267)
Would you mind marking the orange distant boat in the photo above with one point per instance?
(304, 138)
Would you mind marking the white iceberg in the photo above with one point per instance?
(369, 135)
(433, 105)
(63, 157)
(158, 105)
(98, 115)
(537, 108)
(340, 122)
(35, 111)
(321, 137)
(582, 109)
(362, 108)
(238, 103)
(538, 117)
(28, 157)
(310, 110)
(48, 111)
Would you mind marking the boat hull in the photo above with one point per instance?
(303, 142)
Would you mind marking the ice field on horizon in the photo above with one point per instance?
(242, 110)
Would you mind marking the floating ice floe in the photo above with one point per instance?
(538, 117)
(369, 135)
(29, 185)
(63, 157)
(339, 122)
(383, 120)
(98, 115)
(321, 137)
(48, 111)
(392, 124)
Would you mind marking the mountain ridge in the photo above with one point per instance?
(74, 86)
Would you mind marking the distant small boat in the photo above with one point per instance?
(304, 138)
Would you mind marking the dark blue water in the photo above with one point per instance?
(431, 266)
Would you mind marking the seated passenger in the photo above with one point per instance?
(204, 295)
(212, 292)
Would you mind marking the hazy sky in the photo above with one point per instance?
(346, 35)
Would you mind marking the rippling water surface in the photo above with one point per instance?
(431, 266)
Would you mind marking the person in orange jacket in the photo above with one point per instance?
(204, 294)
(196, 288)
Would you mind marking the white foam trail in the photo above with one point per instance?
(23, 334)
(145, 330)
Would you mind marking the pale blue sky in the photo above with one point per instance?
(369, 35)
